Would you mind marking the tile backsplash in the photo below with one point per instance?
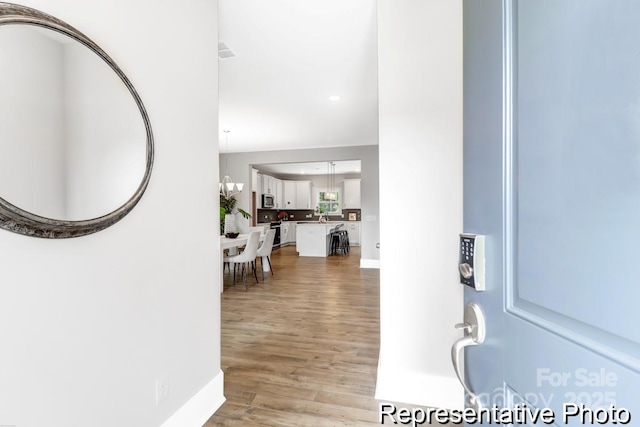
(351, 214)
(269, 215)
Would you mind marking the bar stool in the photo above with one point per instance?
(339, 242)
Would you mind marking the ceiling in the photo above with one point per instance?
(311, 168)
(290, 57)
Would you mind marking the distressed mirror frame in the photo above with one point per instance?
(13, 218)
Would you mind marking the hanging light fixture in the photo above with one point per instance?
(331, 184)
(228, 188)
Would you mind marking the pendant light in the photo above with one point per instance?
(227, 187)
(331, 182)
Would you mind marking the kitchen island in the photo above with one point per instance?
(312, 238)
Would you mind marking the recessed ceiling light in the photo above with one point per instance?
(334, 98)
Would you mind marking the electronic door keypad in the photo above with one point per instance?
(471, 265)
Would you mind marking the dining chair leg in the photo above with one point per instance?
(262, 266)
(235, 265)
(270, 267)
(244, 276)
(255, 271)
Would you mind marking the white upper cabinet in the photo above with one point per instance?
(303, 194)
(279, 194)
(255, 179)
(268, 185)
(297, 195)
(351, 194)
(289, 193)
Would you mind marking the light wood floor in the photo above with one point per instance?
(301, 349)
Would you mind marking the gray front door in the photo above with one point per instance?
(552, 179)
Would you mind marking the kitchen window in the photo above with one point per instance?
(329, 202)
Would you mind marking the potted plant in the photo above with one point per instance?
(227, 207)
(322, 211)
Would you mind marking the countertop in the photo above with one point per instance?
(311, 222)
(324, 223)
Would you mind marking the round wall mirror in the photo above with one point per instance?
(76, 142)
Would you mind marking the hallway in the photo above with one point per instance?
(301, 349)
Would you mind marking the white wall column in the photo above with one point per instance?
(420, 90)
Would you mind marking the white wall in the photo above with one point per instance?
(420, 89)
(88, 324)
(240, 170)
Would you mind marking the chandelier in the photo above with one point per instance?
(227, 187)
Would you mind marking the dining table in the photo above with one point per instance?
(232, 244)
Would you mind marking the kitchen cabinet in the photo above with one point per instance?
(257, 187)
(353, 228)
(255, 178)
(285, 229)
(287, 233)
(292, 233)
(303, 195)
(279, 193)
(268, 185)
(351, 194)
(289, 189)
(273, 186)
(312, 239)
(297, 195)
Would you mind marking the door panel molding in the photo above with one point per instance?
(508, 146)
(577, 331)
(512, 398)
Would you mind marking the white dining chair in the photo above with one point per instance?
(261, 230)
(264, 251)
(246, 258)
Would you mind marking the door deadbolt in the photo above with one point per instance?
(465, 270)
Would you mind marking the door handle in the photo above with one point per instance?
(474, 334)
(464, 326)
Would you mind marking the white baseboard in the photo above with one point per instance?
(370, 263)
(200, 407)
(417, 388)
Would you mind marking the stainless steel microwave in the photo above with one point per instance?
(268, 201)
